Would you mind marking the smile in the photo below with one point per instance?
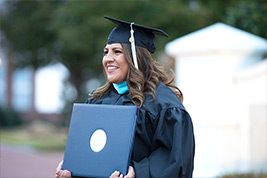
(112, 68)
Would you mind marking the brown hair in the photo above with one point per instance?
(143, 81)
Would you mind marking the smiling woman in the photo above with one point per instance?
(114, 63)
(164, 139)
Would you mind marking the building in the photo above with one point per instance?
(35, 94)
(222, 73)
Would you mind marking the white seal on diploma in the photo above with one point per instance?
(98, 140)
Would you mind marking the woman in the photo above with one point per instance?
(164, 140)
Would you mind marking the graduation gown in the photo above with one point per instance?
(164, 140)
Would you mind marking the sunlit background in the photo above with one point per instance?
(50, 57)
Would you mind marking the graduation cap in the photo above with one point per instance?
(134, 34)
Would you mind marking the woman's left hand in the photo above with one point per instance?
(131, 174)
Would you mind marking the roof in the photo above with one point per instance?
(216, 37)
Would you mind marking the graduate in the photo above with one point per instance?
(164, 143)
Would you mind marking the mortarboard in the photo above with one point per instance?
(134, 34)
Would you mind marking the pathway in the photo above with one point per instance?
(21, 162)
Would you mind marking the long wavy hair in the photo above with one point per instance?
(143, 81)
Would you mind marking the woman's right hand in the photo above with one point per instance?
(62, 173)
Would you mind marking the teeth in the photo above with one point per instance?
(111, 68)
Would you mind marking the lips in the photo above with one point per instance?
(111, 68)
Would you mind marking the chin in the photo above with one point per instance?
(111, 81)
(114, 81)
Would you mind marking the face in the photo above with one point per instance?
(114, 63)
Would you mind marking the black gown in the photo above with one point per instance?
(164, 141)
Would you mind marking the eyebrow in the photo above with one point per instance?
(116, 47)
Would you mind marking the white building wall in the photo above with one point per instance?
(251, 90)
(228, 110)
(207, 84)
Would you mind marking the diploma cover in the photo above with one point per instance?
(100, 139)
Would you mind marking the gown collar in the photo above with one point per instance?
(121, 88)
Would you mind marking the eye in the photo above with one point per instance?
(118, 51)
(105, 52)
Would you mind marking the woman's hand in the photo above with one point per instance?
(131, 174)
(116, 174)
(62, 173)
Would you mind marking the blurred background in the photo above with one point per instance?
(50, 57)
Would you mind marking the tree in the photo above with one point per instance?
(82, 31)
(75, 32)
(249, 16)
(24, 24)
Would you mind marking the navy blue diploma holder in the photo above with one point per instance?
(100, 139)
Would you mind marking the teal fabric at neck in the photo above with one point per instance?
(121, 87)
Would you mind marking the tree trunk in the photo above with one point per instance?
(77, 81)
(9, 78)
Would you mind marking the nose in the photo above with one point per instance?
(109, 57)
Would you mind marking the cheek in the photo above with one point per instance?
(125, 69)
(104, 64)
(124, 63)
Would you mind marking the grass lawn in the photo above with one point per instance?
(40, 136)
(247, 175)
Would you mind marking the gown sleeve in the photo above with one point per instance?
(172, 150)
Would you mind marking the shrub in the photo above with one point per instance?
(9, 118)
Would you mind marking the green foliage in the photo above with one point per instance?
(25, 26)
(249, 16)
(9, 118)
(75, 32)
